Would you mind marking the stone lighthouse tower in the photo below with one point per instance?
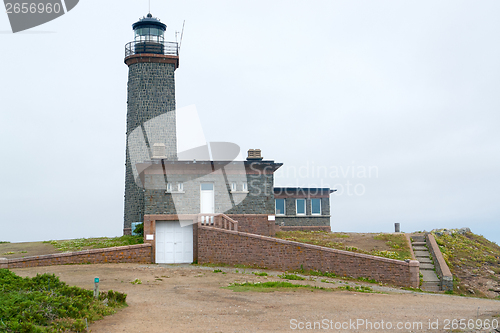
(151, 127)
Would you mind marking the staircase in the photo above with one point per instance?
(431, 281)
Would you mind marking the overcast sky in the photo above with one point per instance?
(394, 103)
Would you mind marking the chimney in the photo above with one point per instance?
(254, 155)
(159, 150)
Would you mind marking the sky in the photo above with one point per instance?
(393, 103)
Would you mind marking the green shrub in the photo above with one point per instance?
(139, 229)
(46, 304)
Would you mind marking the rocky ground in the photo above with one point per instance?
(189, 298)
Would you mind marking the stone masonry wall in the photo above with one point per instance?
(151, 93)
(230, 247)
(140, 253)
(312, 220)
(258, 200)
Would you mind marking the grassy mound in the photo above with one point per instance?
(45, 304)
(474, 262)
(94, 243)
(397, 243)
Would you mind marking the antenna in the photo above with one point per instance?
(149, 8)
(182, 34)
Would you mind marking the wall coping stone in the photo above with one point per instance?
(442, 269)
(315, 247)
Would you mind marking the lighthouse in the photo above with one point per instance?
(151, 121)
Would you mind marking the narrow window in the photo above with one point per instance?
(316, 206)
(169, 187)
(180, 187)
(233, 187)
(301, 206)
(280, 206)
(245, 187)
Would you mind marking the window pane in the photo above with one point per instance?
(207, 186)
(280, 206)
(316, 206)
(301, 206)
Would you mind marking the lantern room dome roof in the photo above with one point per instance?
(148, 22)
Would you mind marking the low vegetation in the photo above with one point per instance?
(45, 304)
(361, 289)
(4, 242)
(399, 247)
(94, 243)
(291, 277)
(270, 286)
(474, 262)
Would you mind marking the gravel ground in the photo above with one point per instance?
(188, 298)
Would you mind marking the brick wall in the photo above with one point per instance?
(255, 224)
(140, 253)
(230, 247)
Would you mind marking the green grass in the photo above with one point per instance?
(400, 249)
(136, 281)
(260, 273)
(45, 304)
(4, 242)
(217, 271)
(270, 286)
(469, 254)
(291, 277)
(8, 253)
(94, 243)
(361, 289)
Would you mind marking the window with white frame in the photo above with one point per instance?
(316, 206)
(180, 187)
(245, 187)
(169, 187)
(301, 206)
(280, 206)
(233, 187)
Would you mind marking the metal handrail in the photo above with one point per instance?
(154, 47)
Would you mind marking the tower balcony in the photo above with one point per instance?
(150, 51)
(152, 47)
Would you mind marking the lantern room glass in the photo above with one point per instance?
(150, 34)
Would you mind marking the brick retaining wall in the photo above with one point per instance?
(255, 224)
(140, 253)
(231, 247)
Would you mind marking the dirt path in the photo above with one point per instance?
(189, 299)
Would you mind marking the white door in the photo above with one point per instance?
(174, 244)
(207, 198)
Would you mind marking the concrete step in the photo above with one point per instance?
(430, 286)
(419, 248)
(418, 244)
(418, 238)
(429, 276)
(422, 253)
(426, 266)
(424, 260)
